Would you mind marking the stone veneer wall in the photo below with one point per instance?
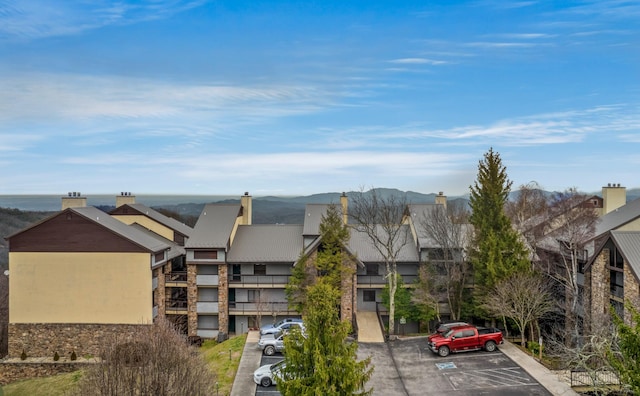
(599, 287)
(192, 300)
(223, 299)
(45, 339)
(631, 291)
(14, 371)
(348, 300)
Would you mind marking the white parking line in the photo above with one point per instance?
(490, 378)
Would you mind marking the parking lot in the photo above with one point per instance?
(408, 368)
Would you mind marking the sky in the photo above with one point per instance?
(304, 97)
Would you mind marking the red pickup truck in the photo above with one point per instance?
(465, 338)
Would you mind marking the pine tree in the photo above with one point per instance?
(498, 250)
(328, 262)
(321, 361)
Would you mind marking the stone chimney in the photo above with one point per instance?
(247, 209)
(613, 196)
(441, 199)
(74, 200)
(125, 198)
(344, 202)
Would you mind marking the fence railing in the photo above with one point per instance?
(582, 377)
(260, 280)
(175, 277)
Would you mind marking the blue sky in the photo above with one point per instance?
(295, 98)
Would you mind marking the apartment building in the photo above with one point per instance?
(82, 274)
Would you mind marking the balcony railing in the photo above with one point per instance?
(259, 280)
(176, 305)
(380, 280)
(175, 277)
(207, 280)
(205, 307)
(264, 308)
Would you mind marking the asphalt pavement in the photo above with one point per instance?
(406, 367)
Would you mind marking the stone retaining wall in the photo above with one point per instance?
(11, 370)
(45, 339)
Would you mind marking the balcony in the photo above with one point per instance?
(377, 281)
(207, 280)
(265, 308)
(207, 307)
(259, 281)
(176, 279)
(176, 306)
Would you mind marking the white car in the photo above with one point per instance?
(266, 375)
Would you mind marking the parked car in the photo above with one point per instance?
(272, 343)
(465, 338)
(266, 375)
(282, 325)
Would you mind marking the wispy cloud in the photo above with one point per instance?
(46, 18)
(417, 61)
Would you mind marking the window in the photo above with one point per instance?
(253, 295)
(207, 269)
(208, 295)
(259, 269)
(369, 295)
(372, 269)
(205, 254)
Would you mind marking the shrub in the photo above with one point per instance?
(56, 357)
(73, 355)
(23, 355)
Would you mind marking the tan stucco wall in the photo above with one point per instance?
(80, 288)
(148, 223)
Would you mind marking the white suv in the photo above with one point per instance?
(283, 325)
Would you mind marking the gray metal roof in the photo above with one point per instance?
(420, 213)
(214, 226)
(313, 217)
(133, 234)
(263, 243)
(364, 249)
(175, 250)
(162, 219)
(618, 217)
(628, 242)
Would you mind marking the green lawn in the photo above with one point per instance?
(223, 360)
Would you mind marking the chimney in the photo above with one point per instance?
(441, 199)
(245, 202)
(613, 197)
(344, 202)
(125, 198)
(74, 200)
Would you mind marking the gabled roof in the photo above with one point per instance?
(263, 243)
(175, 250)
(364, 249)
(133, 234)
(628, 244)
(419, 213)
(156, 216)
(313, 217)
(115, 226)
(618, 217)
(214, 226)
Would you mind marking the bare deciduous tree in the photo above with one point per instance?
(157, 361)
(572, 223)
(528, 213)
(447, 228)
(523, 297)
(380, 219)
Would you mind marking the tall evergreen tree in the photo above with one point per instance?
(328, 262)
(498, 250)
(321, 362)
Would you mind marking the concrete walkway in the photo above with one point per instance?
(541, 374)
(243, 384)
(369, 327)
